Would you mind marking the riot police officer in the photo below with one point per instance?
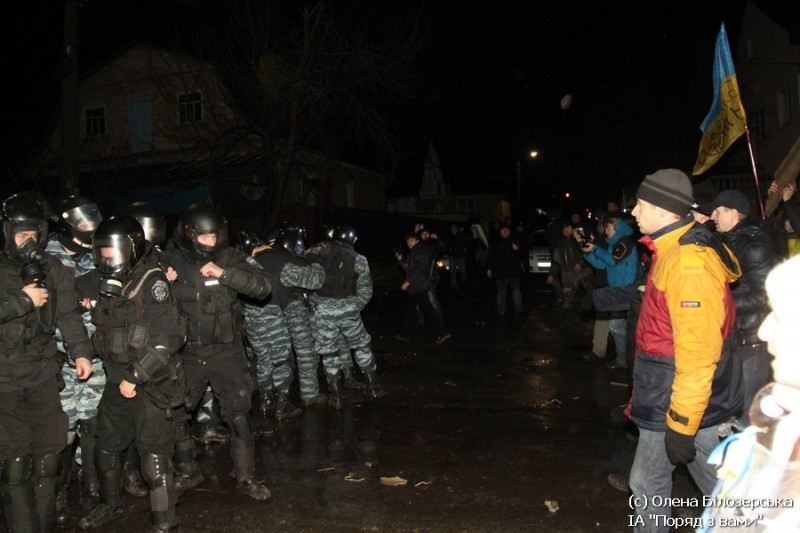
(139, 332)
(211, 276)
(337, 310)
(273, 328)
(37, 295)
(72, 245)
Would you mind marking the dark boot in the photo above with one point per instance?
(335, 391)
(66, 458)
(45, 486)
(159, 473)
(187, 472)
(88, 472)
(284, 408)
(17, 494)
(243, 453)
(109, 472)
(266, 401)
(132, 478)
(374, 388)
(350, 381)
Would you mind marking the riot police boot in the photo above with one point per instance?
(284, 408)
(335, 392)
(67, 460)
(350, 381)
(266, 401)
(109, 472)
(319, 399)
(243, 453)
(17, 494)
(159, 473)
(88, 472)
(132, 477)
(374, 388)
(45, 486)
(187, 472)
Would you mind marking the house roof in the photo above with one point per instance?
(785, 13)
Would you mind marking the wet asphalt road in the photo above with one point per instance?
(485, 430)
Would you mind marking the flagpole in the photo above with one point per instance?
(755, 171)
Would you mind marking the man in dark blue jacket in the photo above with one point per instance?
(419, 267)
(505, 267)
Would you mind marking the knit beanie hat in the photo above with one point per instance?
(668, 188)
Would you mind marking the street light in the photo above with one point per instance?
(533, 154)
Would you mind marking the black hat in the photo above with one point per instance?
(669, 189)
(732, 199)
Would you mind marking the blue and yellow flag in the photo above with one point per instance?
(726, 119)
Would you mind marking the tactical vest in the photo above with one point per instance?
(273, 261)
(214, 311)
(123, 333)
(338, 260)
(29, 338)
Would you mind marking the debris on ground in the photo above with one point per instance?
(394, 481)
(353, 479)
(328, 469)
(552, 505)
(555, 402)
(450, 383)
(422, 484)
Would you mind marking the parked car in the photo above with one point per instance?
(539, 257)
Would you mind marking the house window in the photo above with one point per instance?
(784, 107)
(758, 123)
(190, 108)
(94, 121)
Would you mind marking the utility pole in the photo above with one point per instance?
(70, 127)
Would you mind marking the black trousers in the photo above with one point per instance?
(122, 421)
(32, 421)
(432, 312)
(224, 366)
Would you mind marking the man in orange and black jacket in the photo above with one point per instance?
(685, 378)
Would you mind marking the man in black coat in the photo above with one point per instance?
(419, 266)
(753, 248)
(505, 268)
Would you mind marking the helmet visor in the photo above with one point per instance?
(154, 229)
(112, 253)
(84, 218)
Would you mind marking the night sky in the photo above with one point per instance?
(489, 81)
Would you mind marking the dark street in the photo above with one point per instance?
(489, 432)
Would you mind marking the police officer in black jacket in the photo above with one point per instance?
(753, 248)
(211, 276)
(139, 332)
(37, 294)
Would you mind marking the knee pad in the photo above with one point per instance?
(46, 465)
(16, 471)
(154, 467)
(107, 460)
(241, 427)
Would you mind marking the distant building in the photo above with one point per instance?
(435, 199)
(160, 125)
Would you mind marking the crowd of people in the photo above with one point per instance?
(112, 337)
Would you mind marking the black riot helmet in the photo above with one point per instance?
(80, 217)
(118, 245)
(292, 240)
(202, 219)
(25, 211)
(345, 234)
(153, 223)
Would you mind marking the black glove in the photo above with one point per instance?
(680, 448)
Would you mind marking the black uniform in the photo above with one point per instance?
(33, 427)
(214, 352)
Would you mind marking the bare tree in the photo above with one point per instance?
(313, 77)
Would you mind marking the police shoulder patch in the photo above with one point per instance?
(160, 290)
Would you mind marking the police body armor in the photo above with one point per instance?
(338, 259)
(273, 261)
(214, 311)
(27, 340)
(123, 335)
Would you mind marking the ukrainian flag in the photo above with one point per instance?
(726, 119)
